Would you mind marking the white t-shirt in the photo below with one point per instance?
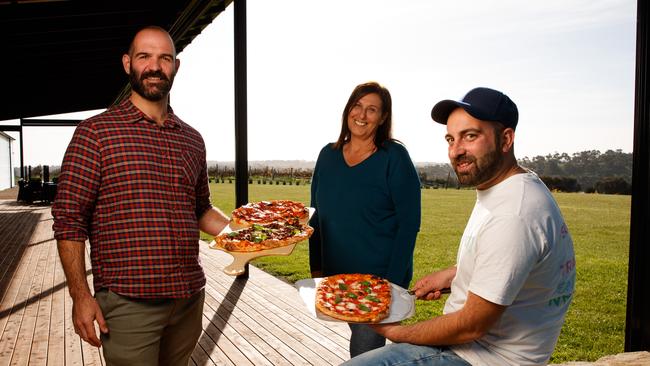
(516, 251)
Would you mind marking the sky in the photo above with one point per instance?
(568, 65)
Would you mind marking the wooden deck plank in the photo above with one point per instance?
(267, 330)
(336, 331)
(199, 357)
(267, 312)
(310, 326)
(213, 354)
(16, 267)
(56, 340)
(277, 289)
(261, 327)
(322, 346)
(25, 338)
(256, 348)
(10, 230)
(225, 329)
(232, 351)
(38, 353)
(16, 305)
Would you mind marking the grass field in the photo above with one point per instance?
(599, 225)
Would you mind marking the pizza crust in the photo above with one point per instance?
(370, 318)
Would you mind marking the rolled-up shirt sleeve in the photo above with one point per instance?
(77, 186)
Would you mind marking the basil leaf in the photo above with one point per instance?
(351, 295)
(258, 237)
(337, 299)
(372, 298)
(363, 307)
(342, 286)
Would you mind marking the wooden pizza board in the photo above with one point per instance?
(240, 259)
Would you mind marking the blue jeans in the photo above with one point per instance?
(364, 339)
(404, 354)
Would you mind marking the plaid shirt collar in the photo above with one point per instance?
(133, 114)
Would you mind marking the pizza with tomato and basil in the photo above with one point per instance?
(355, 298)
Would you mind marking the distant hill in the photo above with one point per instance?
(277, 164)
(296, 164)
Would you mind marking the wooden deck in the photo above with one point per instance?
(258, 321)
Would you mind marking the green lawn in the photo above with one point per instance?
(599, 224)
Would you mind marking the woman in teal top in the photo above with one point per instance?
(366, 193)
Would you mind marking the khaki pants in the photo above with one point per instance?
(150, 332)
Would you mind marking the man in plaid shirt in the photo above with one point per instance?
(134, 183)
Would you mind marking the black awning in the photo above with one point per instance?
(65, 55)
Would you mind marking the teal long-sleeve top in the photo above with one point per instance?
(367, 216)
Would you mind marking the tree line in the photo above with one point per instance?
(586, 171)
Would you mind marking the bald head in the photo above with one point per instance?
(148, 32)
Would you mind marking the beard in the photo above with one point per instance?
(483, 168)
(154, 92)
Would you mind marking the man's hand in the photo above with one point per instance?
(429, 286)
(213, 221)
(85, 311)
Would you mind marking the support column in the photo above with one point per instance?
(241, 105)
(637, 324)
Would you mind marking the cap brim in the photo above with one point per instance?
(441, 111)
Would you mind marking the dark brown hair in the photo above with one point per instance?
(384, 131)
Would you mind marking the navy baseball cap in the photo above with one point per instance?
(481, 103)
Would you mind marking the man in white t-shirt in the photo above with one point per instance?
(515, 271)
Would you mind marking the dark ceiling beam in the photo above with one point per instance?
(65, 55)
(35, 122)
(195, 18)
(13, 128)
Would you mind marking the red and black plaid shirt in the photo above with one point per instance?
(135, 190)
